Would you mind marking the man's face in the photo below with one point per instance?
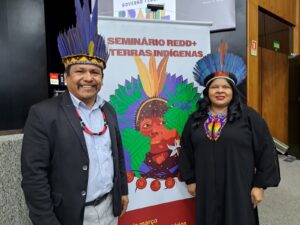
(84, 81)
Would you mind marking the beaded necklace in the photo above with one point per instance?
(214, 125)
(87, 130)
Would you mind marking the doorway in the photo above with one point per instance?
(274, 49)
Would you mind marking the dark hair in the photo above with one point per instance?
(152, 107)
(234, 108)
(68, 68)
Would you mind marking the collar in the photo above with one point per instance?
(78, 103)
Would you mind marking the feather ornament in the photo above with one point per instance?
(91, 48)
(93, 25)
(144, 76)
(153, 74)
(223, 47)
(83, 39)
(220, 62)
(153, 79)
(162, 73)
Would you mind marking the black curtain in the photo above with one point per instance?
(23, 73)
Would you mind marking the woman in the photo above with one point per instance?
(228, 156)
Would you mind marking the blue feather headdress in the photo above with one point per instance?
(83, 44)
(220, 65)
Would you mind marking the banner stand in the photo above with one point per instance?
(149, 82)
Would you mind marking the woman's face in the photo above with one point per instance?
(220, 93)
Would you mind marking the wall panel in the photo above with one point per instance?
(284, 9)
(253, 84)
(23, 77)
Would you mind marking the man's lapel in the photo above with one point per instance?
(70, 111)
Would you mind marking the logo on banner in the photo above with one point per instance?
(137, 9)
(152, 110)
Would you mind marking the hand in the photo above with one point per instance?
(124, 202)
(257, 195)
(192, 189)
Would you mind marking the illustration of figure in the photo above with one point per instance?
(164, 143)
(152, 111)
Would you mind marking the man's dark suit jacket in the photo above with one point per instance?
(55, 162)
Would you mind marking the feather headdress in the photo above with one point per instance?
(83, 44)
(153, 81)
(220, 65)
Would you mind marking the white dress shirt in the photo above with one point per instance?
(100, 180)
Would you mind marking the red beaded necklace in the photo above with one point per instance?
(87, 130)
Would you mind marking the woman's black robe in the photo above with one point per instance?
(226, 170)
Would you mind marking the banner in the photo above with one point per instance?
(137, 9)
(149, 82)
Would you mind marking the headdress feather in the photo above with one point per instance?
(221, 64)
(223, 47)
(82, 44)
(162, 73)
(144, 76)
(153, 74)
(153, 79)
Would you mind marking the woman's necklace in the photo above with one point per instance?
(214, 124)
(222, 113)
(87, 130)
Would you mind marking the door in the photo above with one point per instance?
(274, 70)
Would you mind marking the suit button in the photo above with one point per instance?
(83, 193)
(84, 167)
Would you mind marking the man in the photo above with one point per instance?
(72, 156)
